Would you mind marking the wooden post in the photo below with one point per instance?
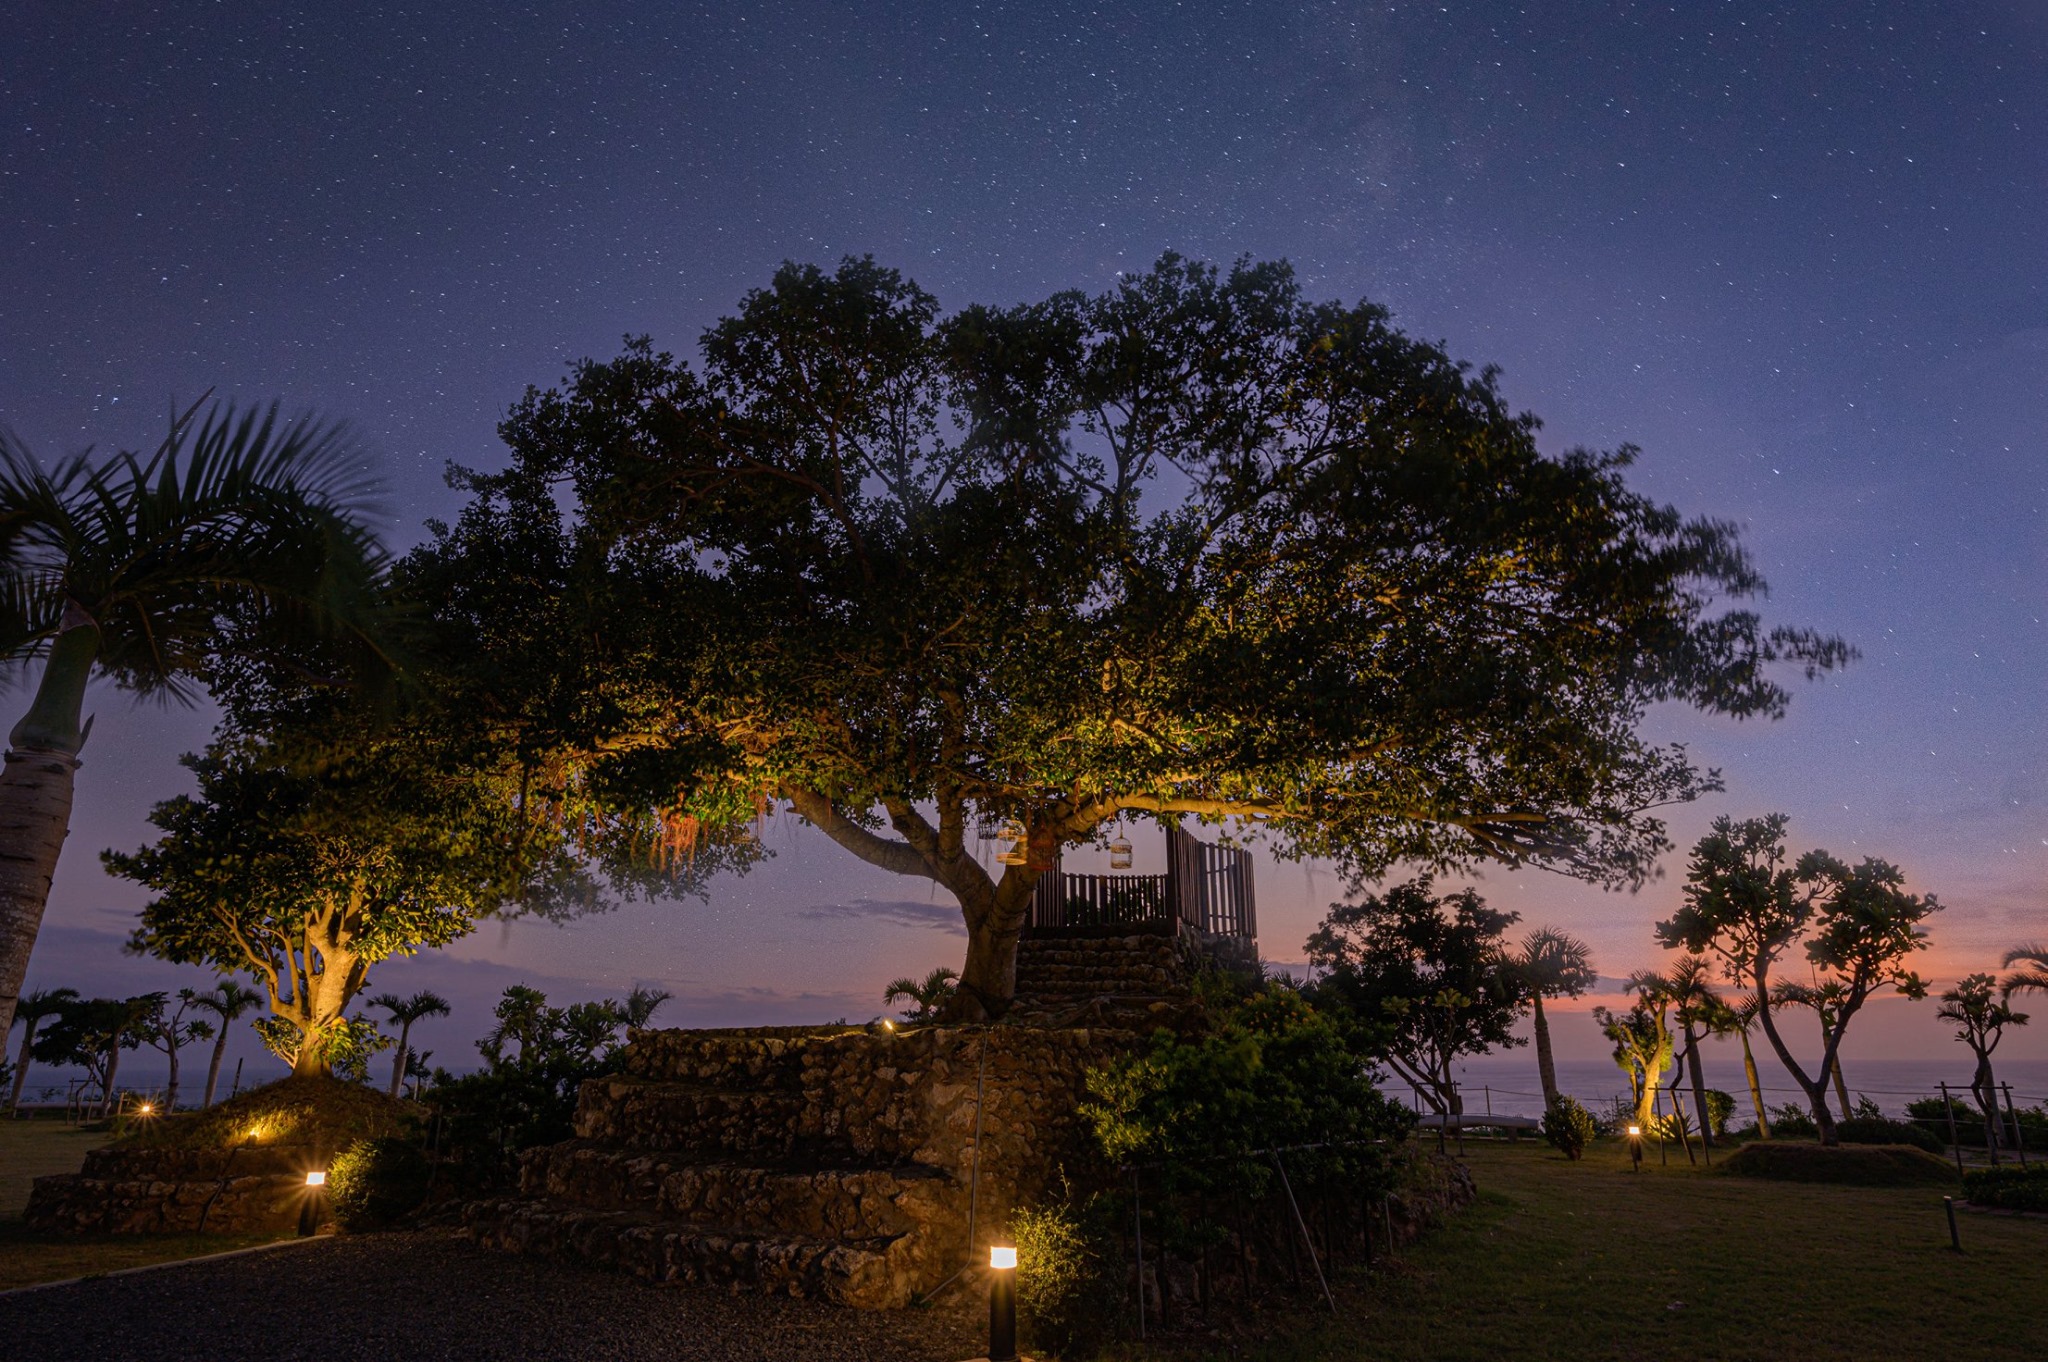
(1955, 1141)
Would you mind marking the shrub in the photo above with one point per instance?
(374, 1184)
(1066, 1300)
(1790, 1122)
(2015, 1189)
(1720, 1106)
(1568, 1126)
(1868, 1165)
(1883, 1130)
(2033, 1122)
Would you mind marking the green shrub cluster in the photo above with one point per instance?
(1969, 1122)
(375, 1184)
(1066, 1296)
(1853, 1165)
(1568, 1126)
(2012, 1188)
(1883, 1130)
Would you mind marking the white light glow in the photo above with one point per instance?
(1002, 1257)
(316, 1179)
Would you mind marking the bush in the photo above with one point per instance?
(2014, 1189)
(1568, 1126)
(1867, 1165)
(374, 1184)
(1793, 1123)
(1883, 1130)
(1066, 1300)
(1720, 1106)
(1969, 1122)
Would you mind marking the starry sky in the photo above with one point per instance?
(1795, 252)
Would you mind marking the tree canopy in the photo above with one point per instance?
(1196, 545)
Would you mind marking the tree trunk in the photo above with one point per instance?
(398, 1065)
(1699, 1088)
(220, 1046)
(1546, 1066)
(1756, 1090)
(1816, 1089)
(107, 1088)
(311, 1061)
(1841, 1088)
(171, 1088)
(35, 799)
(28, 1038)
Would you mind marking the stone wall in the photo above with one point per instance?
(248, 1190)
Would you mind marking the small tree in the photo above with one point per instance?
(1429, 974)
(1642, 1050)
(1735, 1019)
(1981, 1012)
(1552, 965)
(406, 1011)
(639, 1006)
(926, 997)
(1686, 988)
(166, 1028)
(227, 1001)
(1824, 1000)
(1858, 925)
(32, 1011)
(91, 1033)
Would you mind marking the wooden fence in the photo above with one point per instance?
(1205, 889)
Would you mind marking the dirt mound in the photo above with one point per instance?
(325, 1113)
(1866, 1165)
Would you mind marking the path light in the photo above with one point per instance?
(146, 1109)
(1002, 1304)
(1635, 1149)
(309, 1210)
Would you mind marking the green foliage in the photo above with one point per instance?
(1568, 1126)
(1793, 1122)
(1853, 1165)
(1428, 978)
(2012, 1187)
(344, 1047)
(926, 997)
(1720, 1106)
(1882, 1130)
(1049, 543)
(89, 1033)
(1969, 1122)
(318, 1111)
(1067, 1296)
(374, 1184)
(1270, 1071)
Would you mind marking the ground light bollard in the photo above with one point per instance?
(1635, 1149)
(1955, 1238)
(309, 1211)
(1002, 1304)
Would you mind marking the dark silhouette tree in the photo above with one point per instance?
(1552, 965)
(926, 997)
(34, 1009)
(1429, 979)
(124, 570)
(406, 1011)
(227, 1001)
(1195, 546)
(168, 1029)
(1980, 1012)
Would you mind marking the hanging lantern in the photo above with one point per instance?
(1013, 854)
(1119, 855)
(1012, 830)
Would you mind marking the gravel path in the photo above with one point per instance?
(433, 1295)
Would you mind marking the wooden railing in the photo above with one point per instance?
(1205, 889)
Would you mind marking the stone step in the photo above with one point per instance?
(872, 1274)
(843, 1203)
(1144, 973)
(690, 1119)
(754, 1058)
(1091, 987)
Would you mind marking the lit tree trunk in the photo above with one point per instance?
(1699, 1087)
(220, 1046)
(1841, 1088)
(35, 798)
(398, 1065)
(28, 1038)
(1756, 1090)
(1546, 1066)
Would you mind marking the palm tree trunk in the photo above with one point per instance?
(398, 1065)
(1841, 1088)
(1546, 1065)
(28, 1038)
(35, 798)
(220, 1045)
(1699, 1087)
(1756, 1089)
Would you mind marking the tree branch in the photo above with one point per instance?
(897, 857)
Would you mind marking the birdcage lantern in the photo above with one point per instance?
(1012, 830)
(1119, 855)
(1016, 853)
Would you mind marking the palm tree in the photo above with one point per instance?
(125, 569)
(33, 1010)
(926, 997)
(641, 1005)
(406, 1011)
(227, 1000)
(1694, 1003)
(2034, 976)
(1735, 1019)
(1552, 965)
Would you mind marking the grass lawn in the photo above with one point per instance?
(30, 1149)
(1588, 1262)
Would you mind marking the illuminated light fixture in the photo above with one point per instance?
(255, 1132)
(316, 1179)
(1635, 1132)
(888, 1025)
(1014, 854)
(1012, 830)
(146, 1108)
(1002, 1304)
(1119, 855)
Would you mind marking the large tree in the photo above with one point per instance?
(123, 569)
(1193, 546)
(1429, 978)
(1745, 904)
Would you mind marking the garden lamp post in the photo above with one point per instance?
(1635, 1149)
(309, 1212)
(1002, 1305)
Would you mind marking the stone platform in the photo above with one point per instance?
(255, 1189)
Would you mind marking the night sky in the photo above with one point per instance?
(1795, 252)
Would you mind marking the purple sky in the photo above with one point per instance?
(1794, 252)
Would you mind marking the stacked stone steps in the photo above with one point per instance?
(862, 1273)
(1059, 971)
